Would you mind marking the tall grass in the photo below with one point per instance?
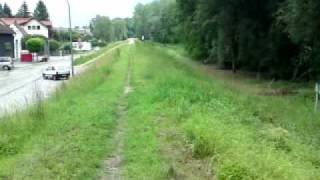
(179, 120)
(68, 135)
(247, 136)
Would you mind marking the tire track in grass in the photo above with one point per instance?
(112, 167)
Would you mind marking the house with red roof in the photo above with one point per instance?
(31, 25)
(24, 27)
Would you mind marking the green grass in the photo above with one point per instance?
(68, 136)
(88, 57)
(244, 136)
(181, 123)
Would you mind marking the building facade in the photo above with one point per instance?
(23, 27)
(6, 41)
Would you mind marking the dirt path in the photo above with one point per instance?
(113, 164)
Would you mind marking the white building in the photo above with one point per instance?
(24, 27)
(19, 34)
(35, 27)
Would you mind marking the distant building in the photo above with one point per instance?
(31, 26)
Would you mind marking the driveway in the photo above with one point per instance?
(18, 88)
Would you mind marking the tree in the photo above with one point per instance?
(6, 11)
(130, 27)
(66, 47)
(54, 45)
(156, 21)
(23, 12)
(102, 28)
(35, 45)
(236, 34)
(120, 29)
(302, 25)
(140, 19)
(41, 12)
(279, 38)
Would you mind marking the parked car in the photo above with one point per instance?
(6, 63)
(45, 58)
(56, 73)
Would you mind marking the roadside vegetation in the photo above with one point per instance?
(181, 122)
(186, 124)
(68, 135)
(277, 39)
(91, 56)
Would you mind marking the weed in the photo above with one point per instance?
(235, 172)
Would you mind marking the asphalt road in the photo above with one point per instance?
(20, 87)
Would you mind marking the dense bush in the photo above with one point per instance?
(26, 38)
(35, 45)
(54, 45)
(278, 38)
(101, 44)
(66, 47)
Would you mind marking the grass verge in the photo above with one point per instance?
(181, 123)
(237, 135)
(68, 136)
(86, 58)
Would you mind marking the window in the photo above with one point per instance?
(33, 27)
(38, 27)
(29, 27)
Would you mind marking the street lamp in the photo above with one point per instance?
(70, 33)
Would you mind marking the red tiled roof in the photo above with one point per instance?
(22, 21)
(10, 21)
(46, 23)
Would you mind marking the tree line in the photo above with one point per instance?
(40, 12)
(107, 30)
(275, 38)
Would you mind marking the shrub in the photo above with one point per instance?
(65, 47)
(54, 45)
(101, 44)
(25, 39)
(35, 45)
(235, 172)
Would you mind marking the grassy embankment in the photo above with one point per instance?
(184, 123)
(68, 135)
(88, 57)
(181, 123)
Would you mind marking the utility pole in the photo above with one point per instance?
(70, 33)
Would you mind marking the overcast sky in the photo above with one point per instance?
(82, 10)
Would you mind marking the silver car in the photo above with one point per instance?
(56, 73)
(6, 63)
